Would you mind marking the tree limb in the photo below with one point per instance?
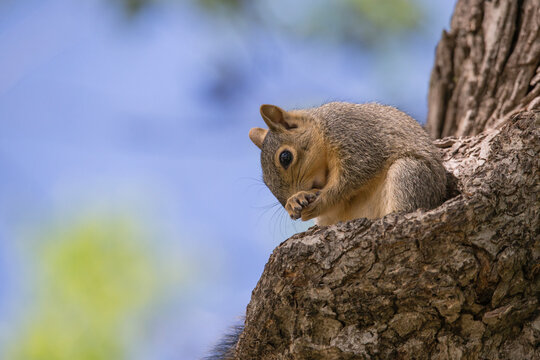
(459, 281)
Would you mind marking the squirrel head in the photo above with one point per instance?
(293, 155)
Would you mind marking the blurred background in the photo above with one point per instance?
(133, 220)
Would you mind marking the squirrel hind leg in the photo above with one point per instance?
(414, 183)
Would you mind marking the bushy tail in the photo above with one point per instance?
(224, 350)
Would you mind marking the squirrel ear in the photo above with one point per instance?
(275, 117)
(257, 135)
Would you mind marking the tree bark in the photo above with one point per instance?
(486, 68)
(461, 281)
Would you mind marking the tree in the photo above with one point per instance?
(460, 281)
(486, 68)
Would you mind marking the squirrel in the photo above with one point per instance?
(343, 161)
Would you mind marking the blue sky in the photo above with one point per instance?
(149, 117)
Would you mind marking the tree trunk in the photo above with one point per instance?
(461, 281)
(486, 68)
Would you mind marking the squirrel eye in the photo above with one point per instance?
(285, 158)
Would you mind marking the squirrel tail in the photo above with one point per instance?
(224, 350)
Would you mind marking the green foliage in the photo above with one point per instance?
(133, 7)
(234, 5)
(101, 267)
(97, 277)
(357, 21)
(392, 15)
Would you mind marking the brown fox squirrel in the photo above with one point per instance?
(343, 161)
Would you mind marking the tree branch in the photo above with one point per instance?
(459, 281)
(487, 68)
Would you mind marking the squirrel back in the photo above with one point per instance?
(342, 161)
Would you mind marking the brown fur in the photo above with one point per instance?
(349, 161)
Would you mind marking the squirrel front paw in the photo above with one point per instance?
(298, 202)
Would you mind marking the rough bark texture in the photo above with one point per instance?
(461, 281)
(458, 282)
(486, 67)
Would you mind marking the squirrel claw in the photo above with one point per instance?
(298, 202)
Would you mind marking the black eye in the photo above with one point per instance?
(285, 158)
